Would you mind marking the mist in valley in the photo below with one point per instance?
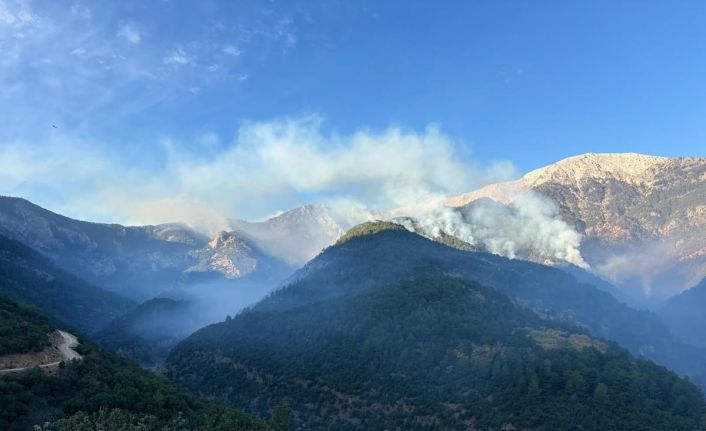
(149, 332)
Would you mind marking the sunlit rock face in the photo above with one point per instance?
(226, 254)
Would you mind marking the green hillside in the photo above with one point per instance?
(430, 354)
(21, 329)
(389, 255)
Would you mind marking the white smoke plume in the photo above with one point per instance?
(279, 165)
(530, 227)
(268, 166)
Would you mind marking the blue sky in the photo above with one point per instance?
(145, 94)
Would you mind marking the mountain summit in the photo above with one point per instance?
(628, 167)
(642, 218)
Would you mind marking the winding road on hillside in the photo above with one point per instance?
(65, 346)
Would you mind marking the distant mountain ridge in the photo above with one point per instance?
(138, 262)
(147, 333)
(685, 315)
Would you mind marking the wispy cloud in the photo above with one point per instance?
(16, 16)
(129, 33)
(232, 50)
(177, 56)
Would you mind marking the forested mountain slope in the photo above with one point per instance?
(379, 253)
(30, 278)
(428, 353)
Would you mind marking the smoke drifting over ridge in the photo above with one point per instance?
(530, 227)
(282, 164)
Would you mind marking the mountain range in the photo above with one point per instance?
(541, 284)
(140, 262)
(640, 219)
(294, 236)
(85, 275)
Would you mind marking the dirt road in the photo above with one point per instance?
(65, 345)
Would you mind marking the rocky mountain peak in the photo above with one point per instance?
(226, 254)
(310, 214)
(222, 240)
(631, 168)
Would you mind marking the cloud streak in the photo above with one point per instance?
(178, 56)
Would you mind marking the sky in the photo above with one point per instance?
(165, 110)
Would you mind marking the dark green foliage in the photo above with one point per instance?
(101, 380)
(390, 255)
(428, 354)
(218, 419)
(283, 417)
(29, 278)
(21, 329)
(113, 420)
(583, 276)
